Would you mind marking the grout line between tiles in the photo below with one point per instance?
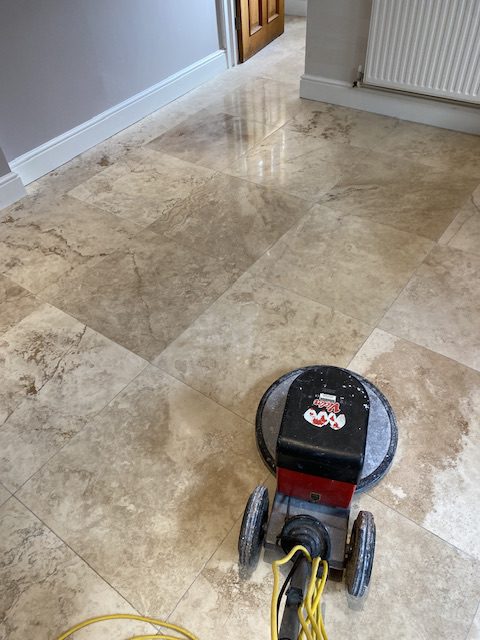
(199, 573)
(87, 423)
(420, 526)
(78, 555)
(477, 612)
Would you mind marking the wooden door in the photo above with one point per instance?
(258, 23)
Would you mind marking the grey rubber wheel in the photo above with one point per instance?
(252, 531)
(361, 551)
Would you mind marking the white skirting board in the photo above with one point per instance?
(11, 189)
(389, 103)
(55, 152)
(296, 7)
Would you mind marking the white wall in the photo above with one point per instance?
(64, 62)
(337, 33)
(296, 7)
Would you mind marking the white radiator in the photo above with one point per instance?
(426, 46)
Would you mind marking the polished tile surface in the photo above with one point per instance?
(402, 602)
(144, 296)
(355, 266)
(46, 588)
(153, 287)
(211, 139)
(294, 163)
(42, 245)
(66, 373)
(143, 186)
(437, 403)
(15, 303)
(231, 219)
(252, 335)
(405, 195)
(449, 150)
(332, 122)
(440, 306)
(149, 489)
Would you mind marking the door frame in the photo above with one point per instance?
(226, 11)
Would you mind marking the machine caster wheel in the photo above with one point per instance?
(360, 554)
(252, 531)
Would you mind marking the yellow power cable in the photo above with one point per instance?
(309, 612)
(312, 626)
(130, 616)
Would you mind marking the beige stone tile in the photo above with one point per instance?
(15, 303)
(289, 68)
(150, 488)
(46, 588)
(50, 240)
(420, 588)
(252, 335)
(303, 166)
(355, 266)
(435, 147)
(143, 186)
(465, 235)
(144, 296)
(57, 374)
(231, 219)
(212, 140)
(262, 100)
(341, 124)
(474, 633)
(440, 307)
(435, 478)
(4, 494)
(405, 195)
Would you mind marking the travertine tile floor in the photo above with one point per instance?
(153, 287)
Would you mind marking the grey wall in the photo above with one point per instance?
(65, 61)
(337, 33)
(4, 168)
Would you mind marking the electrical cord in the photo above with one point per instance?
(127, 616)
(309, 612)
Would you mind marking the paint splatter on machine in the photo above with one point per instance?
(327, 433)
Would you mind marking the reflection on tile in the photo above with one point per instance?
(143, 297)
(4, 494)
(435, 478)
(352, 265)
(413, 571)
(46, 588)
(212, 140)
(48, 241)
(147, 491)
(435, 147)
(262, 100)
(15, 303)
(440, 306)
(306, 167)
(341, 124)
(57, 374)
(252, 335)
(402, 194)
(144, 186)
(231, 219)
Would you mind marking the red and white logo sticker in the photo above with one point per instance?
(330, 415)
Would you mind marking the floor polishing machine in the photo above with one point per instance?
(326, 433)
